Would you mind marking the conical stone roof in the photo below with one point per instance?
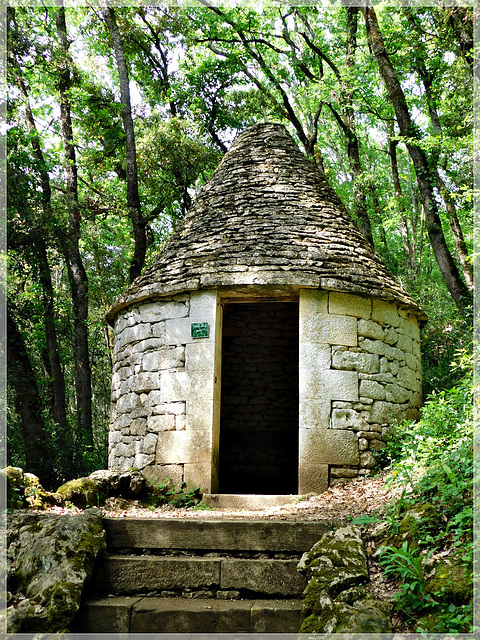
(266, 217)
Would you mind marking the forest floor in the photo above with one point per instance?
(340, 503)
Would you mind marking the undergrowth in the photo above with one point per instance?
(430, 464)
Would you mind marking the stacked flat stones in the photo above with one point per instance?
(266, 227)
(266, 216)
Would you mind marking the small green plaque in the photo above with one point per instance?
(200, 329)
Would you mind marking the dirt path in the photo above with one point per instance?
(340, 503)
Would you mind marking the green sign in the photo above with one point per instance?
(200, 329)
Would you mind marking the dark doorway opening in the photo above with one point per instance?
(259, 408)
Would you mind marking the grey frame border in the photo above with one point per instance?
(3, 271)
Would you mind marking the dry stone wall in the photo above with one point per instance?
(163, 389)
(360, 370)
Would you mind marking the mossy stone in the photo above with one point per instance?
(82, 492)
(54, 557)
(366, 615)
(336, 598)
(15, 487)
(455, 579)
(420, 519)
(36, 496)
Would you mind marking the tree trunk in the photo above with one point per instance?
(57, 378)
(458, 237)
(450, 208)
(448, 268)
(70, 244)
(406, 244)
(58, 383)
(353, 150)
(133, 198)
(38, 457)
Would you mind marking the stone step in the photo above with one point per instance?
(131, 574)
(248, 502)
(214, 534)
(182, 615)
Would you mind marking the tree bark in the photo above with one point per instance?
(70, 245)
(58, 383)
(353, 150)
(133, 198)
(404, 232)
(451, 275)
(59, 411)
(458, 236)
(38, 457)
(451, 211)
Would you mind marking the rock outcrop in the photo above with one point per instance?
(50, 560)
(25, 490)
(337, 598)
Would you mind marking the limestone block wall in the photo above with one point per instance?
(360, 370)
(164, 390)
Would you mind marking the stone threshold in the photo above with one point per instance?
(247, 502)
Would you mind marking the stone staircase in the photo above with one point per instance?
(199, 576)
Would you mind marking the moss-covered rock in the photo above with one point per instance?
(338, 560)
(15, 487)
(365, 615)
(452, 581)
(35, 495)
(82, 492)
(420, 519)
(107, 480)
(337, 597)
(53, 558)
(126, 484)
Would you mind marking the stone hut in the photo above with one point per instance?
(268, 349)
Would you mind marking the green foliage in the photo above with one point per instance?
(178, 495)
(432, 461)
(410, 567)
(198, 76)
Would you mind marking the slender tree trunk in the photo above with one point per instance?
(458, 237)
(57, 379)
(70, 243)
(63, 440)
(38, 457)
(425, 179)
(406, 244)
(353, 150)
(59, 410)
(133, 198)
(451, 211)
